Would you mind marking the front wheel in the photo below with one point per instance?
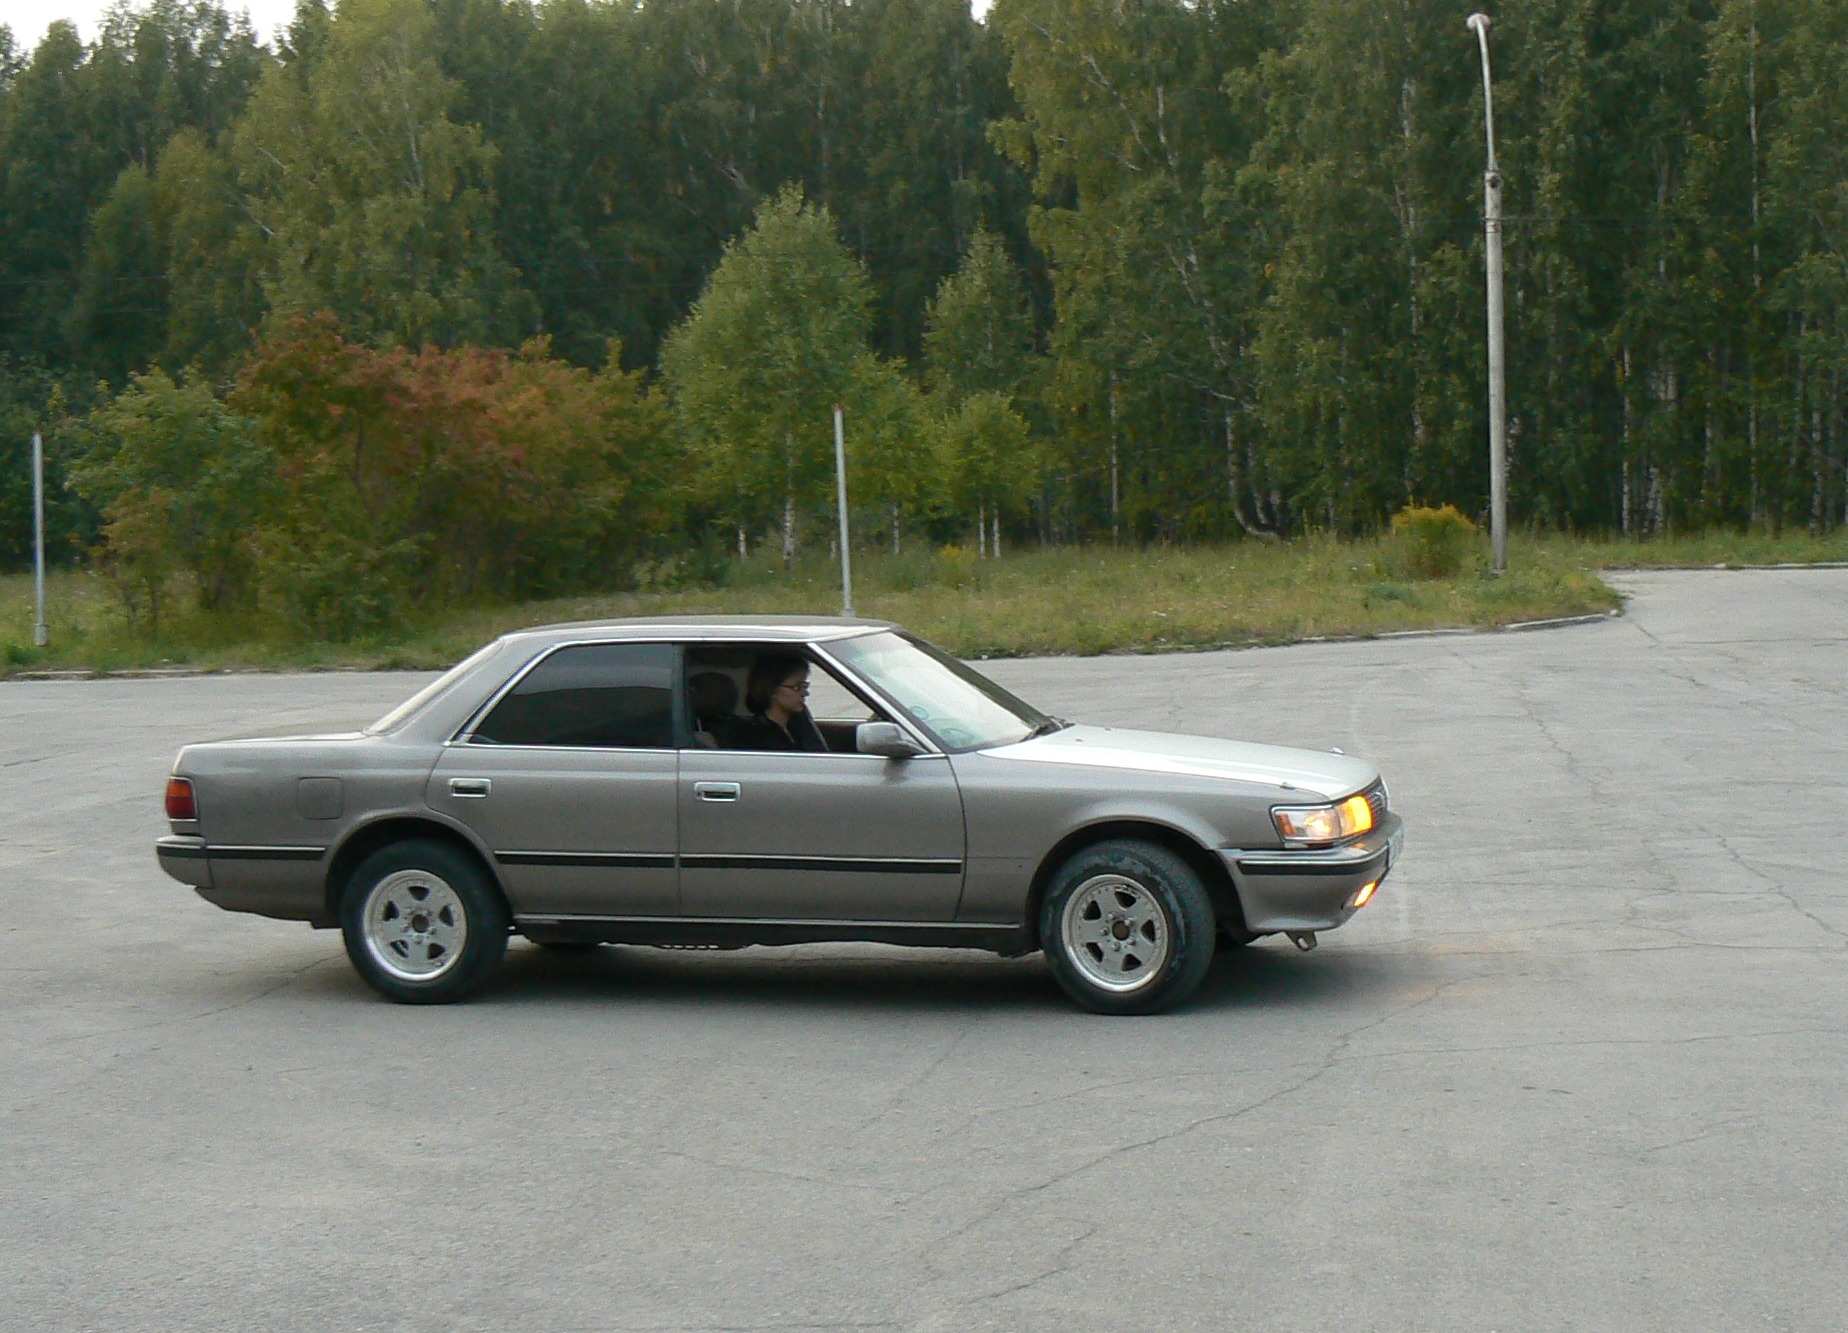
(422, 922)
(1127, 928)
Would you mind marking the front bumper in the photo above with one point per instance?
(1281, 889)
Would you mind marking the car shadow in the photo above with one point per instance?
(796, 976)
(1261, 976)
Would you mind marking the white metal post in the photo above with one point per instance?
(1492, 259)
(840, 487)
(41, 633)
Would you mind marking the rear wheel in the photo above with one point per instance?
(1127, 928)
(422, 922)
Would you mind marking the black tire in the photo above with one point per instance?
(423, 923)
(1127, 928)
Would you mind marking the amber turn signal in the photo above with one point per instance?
(1356, 816)
(1365, 895)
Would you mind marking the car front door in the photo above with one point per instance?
(810, 836)
(570, 781)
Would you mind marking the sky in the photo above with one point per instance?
(29, 18)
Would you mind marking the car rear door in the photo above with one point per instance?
(569, 778)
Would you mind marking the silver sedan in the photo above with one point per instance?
(727, 781)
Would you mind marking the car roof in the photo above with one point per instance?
(767, 629)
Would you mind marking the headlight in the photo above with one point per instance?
(1324, 823)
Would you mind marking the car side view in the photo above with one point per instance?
(729, 781)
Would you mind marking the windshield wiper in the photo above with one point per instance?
(1047, 726)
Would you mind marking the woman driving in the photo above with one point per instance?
(777, 695)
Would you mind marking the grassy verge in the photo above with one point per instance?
(1075, 600)
(1705, 550)
(1068, 600)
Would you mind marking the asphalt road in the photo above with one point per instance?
(1582, 1064)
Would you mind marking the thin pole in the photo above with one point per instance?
(1498, 357)
(840, 488)
(41, 633)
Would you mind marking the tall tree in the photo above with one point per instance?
(778, 337)
(375, 204)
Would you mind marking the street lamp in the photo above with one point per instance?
(1492, 258)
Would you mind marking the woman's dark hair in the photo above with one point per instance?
(767, 672)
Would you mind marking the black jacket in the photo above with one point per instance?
(758, 732)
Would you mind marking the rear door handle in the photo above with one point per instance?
(470, 786)
(716, 791)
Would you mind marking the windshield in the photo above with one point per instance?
(398, 716)
(961, 708)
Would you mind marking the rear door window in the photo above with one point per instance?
(599, 695)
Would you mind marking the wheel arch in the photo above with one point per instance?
(369, 838)
(1214, 876)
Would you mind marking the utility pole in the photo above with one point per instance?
(41, 633)
(1492, 258)
(840, 490)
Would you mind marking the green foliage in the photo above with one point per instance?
(214, 258)
(32, 400)
(181, 482)
(1429, 543)
(1246, 239)
(120, 315)
(778, 337)
(989, 459)
(978, 332)
(422, 479)
(375, 203)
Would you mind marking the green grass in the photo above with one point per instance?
(1066, 600)
(1705, 550)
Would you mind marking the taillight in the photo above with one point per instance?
(180, 803)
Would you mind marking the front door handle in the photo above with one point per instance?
(716, 791)
(470, 786)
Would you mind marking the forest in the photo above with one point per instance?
(488, 298)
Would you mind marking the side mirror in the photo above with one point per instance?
(885, 738)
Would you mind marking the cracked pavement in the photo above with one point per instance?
(1581, 1064)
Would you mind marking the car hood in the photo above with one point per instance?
(1314, 772)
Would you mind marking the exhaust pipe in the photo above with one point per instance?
(1302, 939)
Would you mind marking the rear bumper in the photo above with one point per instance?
(288, 883)
(1312, 890)
(184, 859)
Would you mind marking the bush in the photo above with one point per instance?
(1431, 543)
(956, 566)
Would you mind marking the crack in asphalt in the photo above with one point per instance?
(905, 1090)
(1778, 889)
(1706, 1133)
(1329, 1062)
(1062, 1262)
